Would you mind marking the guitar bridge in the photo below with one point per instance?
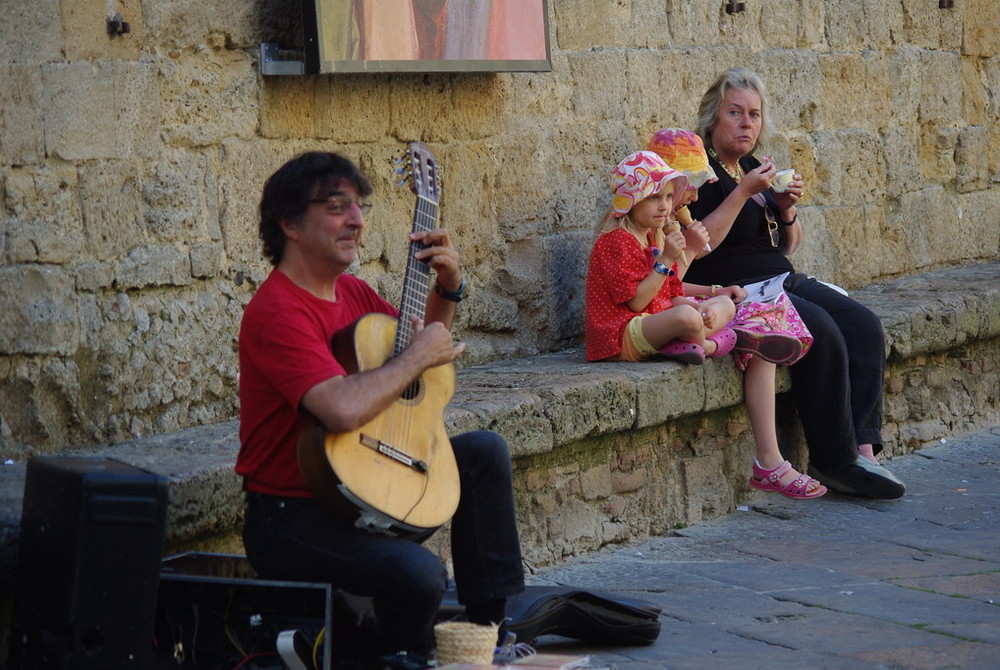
(394, 453)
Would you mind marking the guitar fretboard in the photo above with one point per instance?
(416, 283)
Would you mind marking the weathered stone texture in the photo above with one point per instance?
(22, 130)
(131, 168)
(37, 310)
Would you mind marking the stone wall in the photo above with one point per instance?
(130, 169)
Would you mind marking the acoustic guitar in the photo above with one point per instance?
(396, 474)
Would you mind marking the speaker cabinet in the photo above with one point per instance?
(91, 540)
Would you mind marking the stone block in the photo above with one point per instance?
(975, 92)
(111, 200)
(929, 27)
(626, 482)
(45, 223)
(937, 154)
(704, 499)
(580, 24)
(846, 25)
(816, 255)
(971, 223)
(206, 259)
(22, 131)
(289, 107)
(592, 98)
(595, 483)
(193, 25)
(691, 23)
(37, 310)
(473, 103)
(940, 105)
(94, 276)
(901, 147)
(95, 110)
(906, 72)
(844, 90)
(980, 29)
(794, 84)
(242, 169)
(909, 247)
(972, 160)
(610, 402)
(855, 234)
(30, 32)
(850, 168)
(85, 38)
(516, 414)
(177, 207)
(209, 95)
(154, 266)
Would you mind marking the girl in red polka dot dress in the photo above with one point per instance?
(637, 307)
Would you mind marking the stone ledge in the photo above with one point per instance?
(544, 402)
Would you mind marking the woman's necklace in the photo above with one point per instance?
(734, 174)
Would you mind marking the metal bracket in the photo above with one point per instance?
(117, 25)
(271, 62)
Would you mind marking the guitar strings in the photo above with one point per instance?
(414, 303)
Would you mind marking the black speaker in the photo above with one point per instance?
(91, 540)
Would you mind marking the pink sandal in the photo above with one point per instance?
(725, 340)
(685, 352)
(769, 480)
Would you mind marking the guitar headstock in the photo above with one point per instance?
(423, 171)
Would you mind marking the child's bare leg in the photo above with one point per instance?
(681, 322)
(758, 394)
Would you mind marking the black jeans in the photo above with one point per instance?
(838, 384)
(298, 539)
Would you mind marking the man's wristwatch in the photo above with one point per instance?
(454, 296)
(662, 269)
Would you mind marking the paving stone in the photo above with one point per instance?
(832, 583)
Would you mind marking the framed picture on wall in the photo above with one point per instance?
(425, 36)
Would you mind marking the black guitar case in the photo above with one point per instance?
(598, 618)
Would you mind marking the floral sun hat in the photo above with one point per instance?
(639, 176)
(683, 150)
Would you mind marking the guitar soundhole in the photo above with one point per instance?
(413, 391)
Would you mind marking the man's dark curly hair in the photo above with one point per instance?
(287, 193)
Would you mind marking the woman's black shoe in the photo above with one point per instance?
(862, 478)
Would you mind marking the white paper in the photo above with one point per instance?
(766, 291)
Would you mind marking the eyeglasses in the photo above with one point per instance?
(340, 204)
(772, 227)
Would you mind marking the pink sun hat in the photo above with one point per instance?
(683, 150)
(639, 176)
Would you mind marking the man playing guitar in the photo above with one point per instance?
(311, 219)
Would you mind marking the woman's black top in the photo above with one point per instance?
(746, 253)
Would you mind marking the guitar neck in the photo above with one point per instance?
(416, 283)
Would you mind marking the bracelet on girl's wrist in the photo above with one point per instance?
(660, 268)
(795, 218)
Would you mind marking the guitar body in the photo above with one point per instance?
(347, 471)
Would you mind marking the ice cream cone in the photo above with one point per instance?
(670, 227)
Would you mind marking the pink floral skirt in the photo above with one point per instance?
(780, 316)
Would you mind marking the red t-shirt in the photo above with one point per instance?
(284, 350)
(618, 263)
